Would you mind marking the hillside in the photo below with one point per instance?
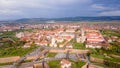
(43, 20)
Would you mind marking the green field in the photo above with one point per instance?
(51, 54)
(11, 46)
(8, 52)
(110, 33)
(54, 64)
(78, 64)
(78, 45)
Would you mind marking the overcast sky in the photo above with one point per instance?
(16, 9)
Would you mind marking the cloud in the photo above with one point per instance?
(101, 7)
(38, 3)
(98, 6)
(55, 8)
(110, 13)
(24, 5)
(9, 11)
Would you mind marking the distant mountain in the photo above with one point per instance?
(43, 20)
(102, 18)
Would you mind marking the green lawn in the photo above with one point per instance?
(8, 33)
(7, 52)
(98, 56)
(13, 48)
(78, 45)
(54, 64)
(110, 33)
(78, 64)
(39, 67)
(2, 64)
(10, 48)
(51, 54)
(114, 48)
(113, 59)
(12, 33)
(108, 62)
(105, 58)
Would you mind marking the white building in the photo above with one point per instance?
(19, 35)
(27, 45)
(53, 42)
(79, 39)
(70, 30)
(93, 46)
(65, 63)
(83, 36)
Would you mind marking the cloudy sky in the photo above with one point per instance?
(16, 9)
